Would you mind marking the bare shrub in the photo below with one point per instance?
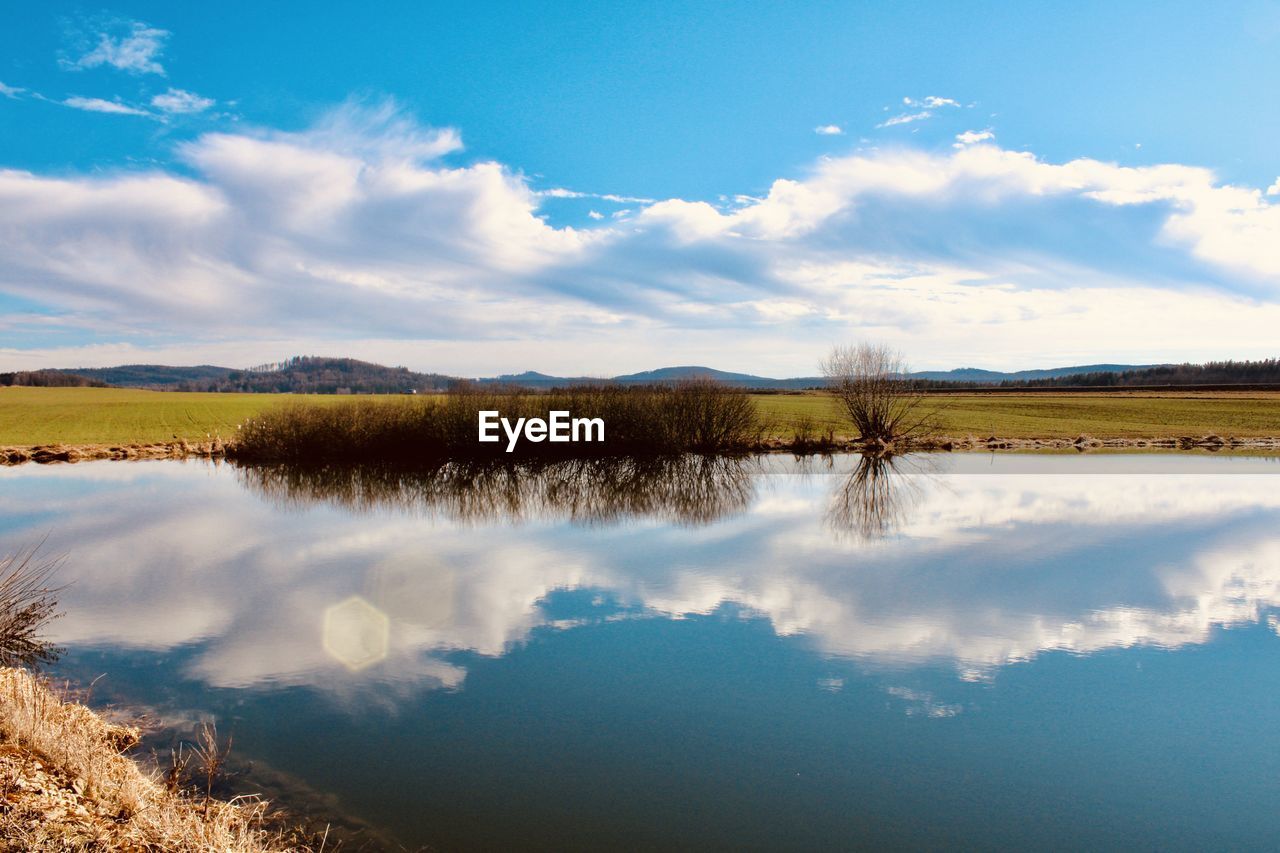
(872, 385)
(711, 416)
(698, 416)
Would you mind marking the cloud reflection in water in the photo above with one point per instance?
(958, 565)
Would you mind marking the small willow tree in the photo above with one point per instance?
(871, 383)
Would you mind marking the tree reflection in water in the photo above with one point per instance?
(877, 497)
(689, 490)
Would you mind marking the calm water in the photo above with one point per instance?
(983, 652)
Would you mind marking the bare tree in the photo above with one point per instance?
(871, 383)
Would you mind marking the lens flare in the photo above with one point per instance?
(356, 633)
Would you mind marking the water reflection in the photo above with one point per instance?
(688, 489)
(877, 497)
(831, 655)
(983, 568)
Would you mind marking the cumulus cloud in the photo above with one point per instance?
(1274, 189)
(130, 46)
(98, 105)
(828, 130)
(363, 232)
(181, 101)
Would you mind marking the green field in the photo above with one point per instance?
(1041, 415)
(30, 416)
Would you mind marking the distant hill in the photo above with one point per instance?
(50, 379)
(532, 379)
(965, 375)
(536, 380)
(300, 375)
(316, 375)
(676, 374)
(1263, 372)
(150, 375)
(995, 377)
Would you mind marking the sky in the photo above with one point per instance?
(593, 189)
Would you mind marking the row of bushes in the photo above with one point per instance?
(697, 416)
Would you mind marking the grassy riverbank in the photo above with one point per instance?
(66, 785)
(75, 416)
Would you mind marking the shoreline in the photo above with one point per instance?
(71, 782)
(48, 454)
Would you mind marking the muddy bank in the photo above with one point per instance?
(1082, 442)
(44, 454)
(53, 453)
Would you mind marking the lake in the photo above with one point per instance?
(964, 650)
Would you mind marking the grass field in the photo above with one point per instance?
(126, 415)
(30, 416)
(1041, 415)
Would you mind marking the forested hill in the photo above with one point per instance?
(50, 379)
(1211, 373)
(314, 375)
(149, 375)
(299, 375)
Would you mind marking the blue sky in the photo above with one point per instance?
(599, 188)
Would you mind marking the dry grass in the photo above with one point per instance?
(93, 796)
(27, 603)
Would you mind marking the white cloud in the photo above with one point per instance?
(181, 101)
(970, 137)
(923, 109)
(828, 130)
(136, 51)
(625, 199)
(98, 105)
(1274, 189)
(931, 102)
(11, 91)
(595, 214)
(562, 192)
(360, 233)
(905, 118)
